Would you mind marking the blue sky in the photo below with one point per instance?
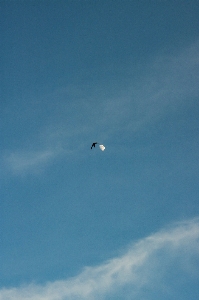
(77, 223)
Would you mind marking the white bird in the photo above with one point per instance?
(102, 147)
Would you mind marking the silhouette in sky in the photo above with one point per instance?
(101, 146)
(93, 145)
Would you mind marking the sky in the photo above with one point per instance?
(77, 223)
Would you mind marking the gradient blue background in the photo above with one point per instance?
(122, 73)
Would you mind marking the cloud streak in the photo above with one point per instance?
(166, 84)
(22, 162)
(144, 266)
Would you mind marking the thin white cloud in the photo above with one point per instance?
(146, 265)
(166, 84)
(22, 162)
(52, 143)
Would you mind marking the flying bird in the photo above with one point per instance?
(93, 145)
(101, 146)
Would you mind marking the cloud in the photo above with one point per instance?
(54, 142)
(24, 161)
(165, 84)
(155, 263)
(102, 109)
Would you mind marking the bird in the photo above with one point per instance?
(93, 145)
(102, 147)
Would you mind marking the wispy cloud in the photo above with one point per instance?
(146, 266)
(22, 162)
(52, 143)
(167, 83)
